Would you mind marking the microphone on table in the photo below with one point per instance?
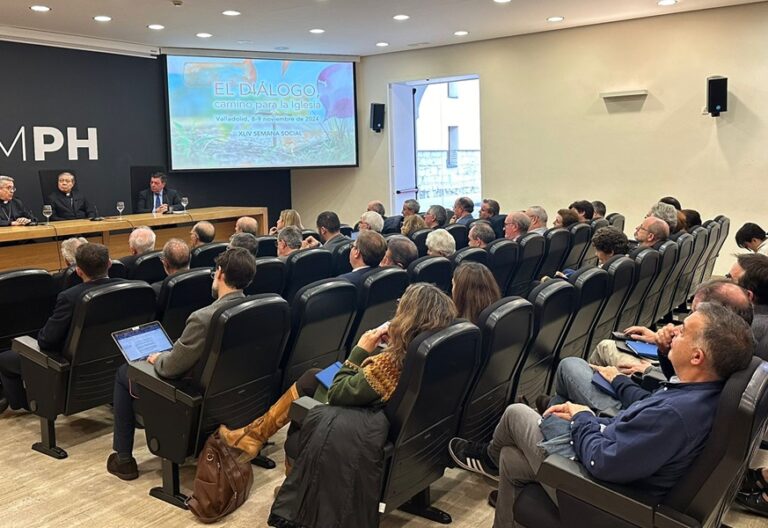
(96, 218)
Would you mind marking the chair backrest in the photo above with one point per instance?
(552, 307)
(684, 249)
(699, 235)
(502, 259)
(392, 225)
(713, 237)
(506, 326)
(725, 227)
(71, 278)
(600, 222)
(377, 300)
(306, 233)
(497, 223)
(420, 239)
(581, 236)
(341, 263)
(238, 374)
(321, 318)
(616, 220)
(667, 260)
(590, 257)
(27, 297)
(460, 234)
(469, 254)
(118, 270)
(621, 278)
(434, 270)
(646, 268)
(149, 267)
(346, 230)
(425, 408)
(205, 256)
(269, 277)
(266, 246)
(181, 294)
(49, 181)
(306, 266)
(530, 254)
(94, 358)
(556, 249)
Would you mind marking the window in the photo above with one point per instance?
(453, 90)
(453, 147)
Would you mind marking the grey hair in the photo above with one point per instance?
(441, 242)
(69, 247)
(665, 212)
(412, 205)
(539, 212)
(142, 240)
(373, 219)
(727, 339)
(291, 235)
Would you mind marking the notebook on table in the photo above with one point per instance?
(139, 342)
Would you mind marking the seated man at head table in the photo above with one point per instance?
(67, 202)
(158, 199)
(12, 210)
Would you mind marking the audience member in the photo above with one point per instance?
(411, 224)
(538, 217)
(652, 233)
(202, 233)
(584, 210)
(737, 269)
(67, 202)
(69, 249)
(288, 217)
(140, 241)
(245, 241)
(157, 199)
(599, 210)
(474, 290)
(235, 269)
(565, 218)
(401, 251)
(440, 243)
(371, 220)
(289, 239)
(489, 209)
(682, 226)
(12, 210)
(175, 257)
(609, 241)
(91, 265)
(410, 207)
(692, 218)
(462, 210)
(516, 225)
(480, 234)
(665, 212)
(328, 227)
(752, 237)
(436, 217)
(754, 279)
(247, 224)
(671, 200)
(377, 207)
(365, 256)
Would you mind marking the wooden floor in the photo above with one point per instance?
(38, 491)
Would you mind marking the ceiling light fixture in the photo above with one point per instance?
(666, 3)
(230, 12)
(204, 35)
(400, 18)
(317, 31)
(102, 18)
(461, 33)
(382, 44)
(156, 27)
(40, 8)
(555, 19)
(502, 1)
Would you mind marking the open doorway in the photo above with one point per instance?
(435, 140)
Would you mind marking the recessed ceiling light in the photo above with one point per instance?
(382, 44)
(282, 48)
(204, 35)
(401, 17)
(461, 33)
(40, 8)
(230, 12)
(502, 1)
(245, 42)
(666, 3)
(317, 31)
(555, 19)
(156, 27)
(102, 18)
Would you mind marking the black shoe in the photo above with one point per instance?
(127, 470)
(3, 405)
(492, 497)
(753, 481)
(473, 456)
(753, 503)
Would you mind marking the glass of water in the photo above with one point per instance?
(184, 203)
(47, 213)
(120, 208)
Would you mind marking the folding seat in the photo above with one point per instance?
(182, 294)
(590, 257)
(699, 235)
(83, 377)
(621, 278)
(322, 314)
(684, 249)
(556, 249)
(232, 384)
(530, 254)
(205, 256)
(667, 260)
(506, 326)
(502, 260)
(117, 270)
(420, 239)
(309, 233)
(552, 309)
(713, 235)
(341, 263)
(459, 233)
(304, 267)
(497, 223)
(346, 230)
(377, 300)
(434, 270)
(646, 269)
(469, 254)
(269, 277)
(600, 222)
(725, 227)
(616, 220)
(699, 499)
(266, 246)
(149, 267)
(581, 237)
(27, 297)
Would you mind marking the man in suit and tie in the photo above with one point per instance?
(462, 210)
(92, 262)
(12, 211)
(67, 202)
(365, 256)
(157, 199)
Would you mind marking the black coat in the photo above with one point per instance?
(14, 210)
(146, 201)
(70, 207)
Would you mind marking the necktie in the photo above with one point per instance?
(158, 203)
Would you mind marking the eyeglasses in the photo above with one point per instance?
(12, 189)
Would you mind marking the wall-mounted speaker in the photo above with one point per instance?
(717, 95)
(377, 117)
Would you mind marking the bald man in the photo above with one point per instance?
(652, 233)
(202, 233)
(516, 225)
(247, 224)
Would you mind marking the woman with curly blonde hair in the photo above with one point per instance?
(288, 217)
(411, 224)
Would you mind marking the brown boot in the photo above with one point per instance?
(251, 438)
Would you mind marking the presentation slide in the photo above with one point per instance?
(234, 113)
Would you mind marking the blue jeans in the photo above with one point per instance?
(573, 382)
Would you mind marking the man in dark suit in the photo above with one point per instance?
(12, 211)
(176, 256)
(365, 256)
(329, 229)
(92, 262)
(462, 210)
(140, 241)
(69, 203)
(158, 199)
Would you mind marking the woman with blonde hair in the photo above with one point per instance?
(474, 290)
(288, 217)
(368, 377)
(411, 224)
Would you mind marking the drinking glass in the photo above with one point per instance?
(120, 208)
(47, 213)
(184, 203)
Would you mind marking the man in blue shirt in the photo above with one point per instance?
(651, 444)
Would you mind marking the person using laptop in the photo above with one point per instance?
(91, 265)
(235, 269)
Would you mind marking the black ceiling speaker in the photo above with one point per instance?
(717, 95)
(377, 117)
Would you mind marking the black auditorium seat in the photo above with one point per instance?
(600, 222)
(621, 274)
(304, 267)
(117, 270)
(699, 235)
(346, 230)
(502, 259)
(497, 223)
(341, 263)
(699, 499)
(552, 308)
(266, 246)
(725, 227)
(590, 257)
(420, 239)
(392, 225)
(530, 254)
(646, 269)
(205, 256)
(434, 270)
(506, 326)
(616, 220)
(83, 377)
(306, 233)
(667, 260)
(556, 249)
(459, 232)
(322, 314)
(149, 267)
(377, 300)
(581, 237)
(713, 236)
(664, 306)
(269, 277)
(180, 295)
(469, 254)
(71, 278)
(232, 384)
(27, 297)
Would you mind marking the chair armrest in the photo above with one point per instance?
(27, 347)
(301, 407)
(571, 478)
(142, 373)
(666, 517)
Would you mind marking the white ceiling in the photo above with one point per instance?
(353, 27)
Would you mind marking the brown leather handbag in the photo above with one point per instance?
(222, 483)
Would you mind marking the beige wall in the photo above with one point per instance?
(548, 138)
